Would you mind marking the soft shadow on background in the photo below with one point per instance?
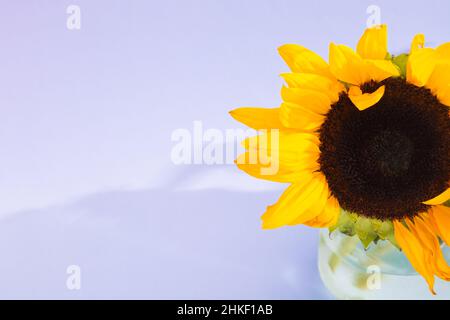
(158, 244)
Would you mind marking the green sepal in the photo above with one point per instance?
(385, 229)
(386, 232)
(391, 239)
(365, 231)
(368, 230)
(346, 223)
(447, 204)
(401, 61)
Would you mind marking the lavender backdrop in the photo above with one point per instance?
(85, 124)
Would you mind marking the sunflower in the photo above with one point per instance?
(364, 143)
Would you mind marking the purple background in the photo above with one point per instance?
(85, 137)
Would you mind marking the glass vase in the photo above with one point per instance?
(380, 272)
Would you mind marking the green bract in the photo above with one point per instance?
(368, 230)
(401, 61)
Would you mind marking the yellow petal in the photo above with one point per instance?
(439, 83)
(420, 65)
(440, 216)
(422, 61)
(288, 141)
(328, 217)
(312, 100)
(301, 59)
(298, 117)
(295, 151)
(414, 251)
(380, 70)
(301, 202)
(373, 43)
(303, 109)
(443, 51)
(440, 199)
(258, 118)
(310, 81)
(347, 66)
(365, 100)
(257, 170)
(417, 43)
(424, 231)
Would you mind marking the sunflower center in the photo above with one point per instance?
(389, 153)
(385, 161)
